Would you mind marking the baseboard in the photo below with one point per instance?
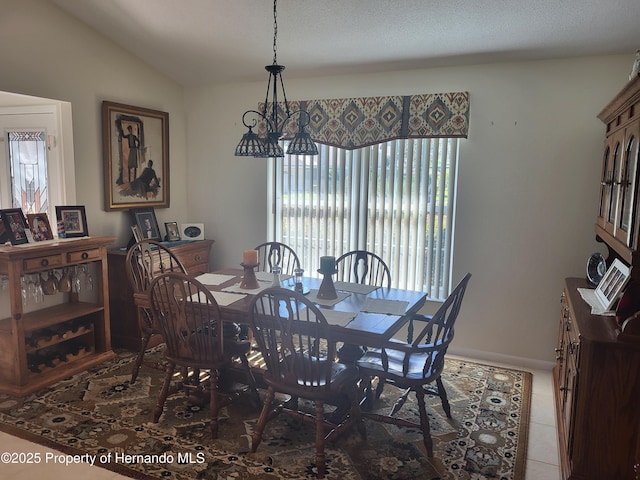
(499, 358)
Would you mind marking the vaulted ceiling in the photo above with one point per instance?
(199, 42)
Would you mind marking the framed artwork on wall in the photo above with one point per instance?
(136, 157)
(15, 225)
(74, 219)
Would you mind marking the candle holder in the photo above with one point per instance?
(249, 280)
(327, 289)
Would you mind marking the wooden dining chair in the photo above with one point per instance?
(299, 351)
(366, 268)
(145, 260)
(196, 341)
(271, 254)
(414, 366)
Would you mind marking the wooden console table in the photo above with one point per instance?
(71, 333)
(125, 329)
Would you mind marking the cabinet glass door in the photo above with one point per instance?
(605, 187)
(628, 190)
(614, 182)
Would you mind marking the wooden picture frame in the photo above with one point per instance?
(15, 225)
(136, 156)
(4, 237)
(74, 219)
(39, 226)
(173, 233)
(612, 284)
(145, 220)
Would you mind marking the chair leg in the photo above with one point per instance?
(401, 401)
(144, 342)
(213, 401)
(442, 393)
(164, 392)
(424, 422)
(251, 380)
(320, 456)
(256, 438)
(379, 387)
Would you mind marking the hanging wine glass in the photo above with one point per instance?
(31, 289)
(87, 279)
(39, 291)
(23, 291)
(77, 282)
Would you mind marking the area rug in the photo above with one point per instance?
(100, 415)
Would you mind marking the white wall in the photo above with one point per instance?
(47, 53)
(528, 183)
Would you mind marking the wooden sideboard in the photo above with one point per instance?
(125, 329)
(597, 392)
(62, 334)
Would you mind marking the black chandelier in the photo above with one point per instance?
(251, 144)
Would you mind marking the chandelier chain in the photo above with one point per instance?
(275, 31)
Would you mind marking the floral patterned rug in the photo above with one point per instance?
(100, 415)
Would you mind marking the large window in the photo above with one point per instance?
(396, 199)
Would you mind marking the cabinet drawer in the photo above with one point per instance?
(38, 263)
(194, 258)
(83, 255)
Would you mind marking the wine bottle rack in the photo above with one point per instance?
(62, 332)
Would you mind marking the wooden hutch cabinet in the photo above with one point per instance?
(125, 328)
(617, 224)
(597, 372)
(71, 333)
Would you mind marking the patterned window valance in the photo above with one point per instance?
(352, 123)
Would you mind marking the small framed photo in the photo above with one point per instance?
(173, 234)
(39, 225)
(137, 235)
(15, 225)
(4, 238)
(145, 219)
(74, 219)
(612, 284)
(192, 231)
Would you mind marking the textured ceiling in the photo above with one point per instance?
(198, 42)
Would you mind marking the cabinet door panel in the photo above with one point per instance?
(628, 186)
(615, 181)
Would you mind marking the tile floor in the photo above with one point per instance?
(542, 455)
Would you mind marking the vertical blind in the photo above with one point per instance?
(396, 199)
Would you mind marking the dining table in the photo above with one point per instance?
(361, 315)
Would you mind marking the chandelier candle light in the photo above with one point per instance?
(251, 144)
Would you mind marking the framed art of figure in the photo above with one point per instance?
(136, 157)
(15, 225)
(145, 220)
(74, 219)
(39, 225)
